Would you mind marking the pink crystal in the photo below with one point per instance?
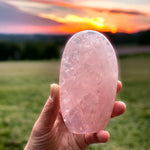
(88, 82)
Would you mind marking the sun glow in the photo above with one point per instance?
(73, 23)
(65, 17)
(98, 21)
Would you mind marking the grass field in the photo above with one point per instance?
(24, 88)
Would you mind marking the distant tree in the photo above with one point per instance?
(31, 51)
(15, 51)
(34, 50)
(51, 51)
(144, 38)
(4, 51)
(122, 38)
(9, 51)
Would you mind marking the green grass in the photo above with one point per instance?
(24, 88)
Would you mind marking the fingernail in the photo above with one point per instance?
(120, 82)
(52, 90)
(122, 103)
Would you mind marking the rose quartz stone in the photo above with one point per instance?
(88, 82)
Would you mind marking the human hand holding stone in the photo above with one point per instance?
(50, 132)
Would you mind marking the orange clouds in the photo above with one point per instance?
(74, 23)
(107, 23)
(96, 18)
(73, 16)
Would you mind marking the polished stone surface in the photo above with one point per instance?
(88, 82)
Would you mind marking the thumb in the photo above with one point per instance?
(50, 110)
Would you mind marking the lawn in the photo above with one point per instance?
(24, 88)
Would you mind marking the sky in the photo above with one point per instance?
(70, 16)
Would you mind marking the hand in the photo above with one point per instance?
(50, 132)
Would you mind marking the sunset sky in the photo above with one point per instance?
(70, 16)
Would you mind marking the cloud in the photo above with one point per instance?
(82, 7)
(11, 15)
(69, 16)
(117, 11)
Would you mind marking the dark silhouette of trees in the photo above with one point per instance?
(37, 47)
(144, 38)
(51, 51)
(9, 51)
(33, 50)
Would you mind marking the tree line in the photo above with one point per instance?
(37, 47)
(30, 50)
